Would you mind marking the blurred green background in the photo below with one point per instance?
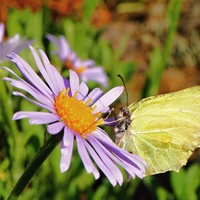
(153, 45)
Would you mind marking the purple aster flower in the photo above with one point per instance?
(14, 44)
(86, 69)
(76, 111)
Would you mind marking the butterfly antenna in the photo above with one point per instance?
(125, 88)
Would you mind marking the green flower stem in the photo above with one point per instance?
(30, 170)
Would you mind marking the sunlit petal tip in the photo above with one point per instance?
(74, 82)
(96, 174)
(63, 167)
(73, 75)
(117, 90)
(31, 48)
(107, 99)
(17, 116)
(55, 127)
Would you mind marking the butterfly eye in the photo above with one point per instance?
(125, 111)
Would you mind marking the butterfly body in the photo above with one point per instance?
(122, 125)
(164, 130)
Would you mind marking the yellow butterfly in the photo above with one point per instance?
(164, 130)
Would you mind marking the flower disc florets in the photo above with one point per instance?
(76, 114)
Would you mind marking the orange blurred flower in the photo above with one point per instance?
(65, 7)
(101, 16)
(62, 7)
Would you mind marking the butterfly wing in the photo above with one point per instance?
(164, 130)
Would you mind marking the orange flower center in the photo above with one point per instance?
(69, 65)
(76, 114)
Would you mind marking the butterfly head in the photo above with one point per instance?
(123, 122)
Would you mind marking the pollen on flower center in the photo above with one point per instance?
(78, 70)
(76, 114)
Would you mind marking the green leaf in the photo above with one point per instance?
(89, 7)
